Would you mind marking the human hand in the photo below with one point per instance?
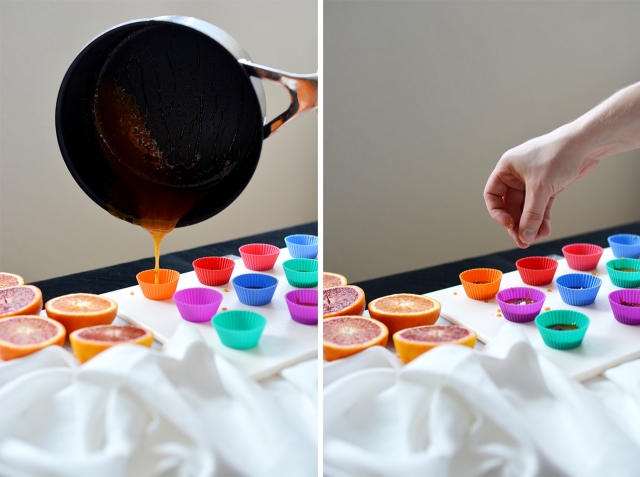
(525, 182)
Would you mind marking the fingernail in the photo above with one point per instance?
(527, 235)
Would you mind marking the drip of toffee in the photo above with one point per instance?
(521, 301)
(145, 191)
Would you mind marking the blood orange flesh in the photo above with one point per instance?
(20, 300)
(341, 301)
(404, 310)
(332, 280)
(10, 280)
(23, 335)
(347, 335)
(81, 310)
(88, 342)
(111, 333)
(413, 342)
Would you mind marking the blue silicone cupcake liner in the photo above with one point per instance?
(302, 246)
(301, 272)
(570, 296)
(239, 329)
(625, 245)
(520, 313)
(255, 289)
(567, 339)
(625, 305)
(624, 279)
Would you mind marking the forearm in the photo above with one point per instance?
(611, 127)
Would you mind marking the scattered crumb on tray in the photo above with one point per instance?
(547, 309)
(224, 308)
(549, 290)
(499, 315)
(455, 293)
(131, 293)
(226, 290)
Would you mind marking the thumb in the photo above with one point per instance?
(535, 203)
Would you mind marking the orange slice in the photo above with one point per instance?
(404, 310)
(10, 280)
(20, 300)
(333, 280)
(347, 335)
(88, 342)
(23, 335)
(80, 310)
(341, 301)
(412, 342)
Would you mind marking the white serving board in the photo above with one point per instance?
(283, 343)
(606, 344)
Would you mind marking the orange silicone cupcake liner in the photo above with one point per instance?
(163, 290)
(481, 283)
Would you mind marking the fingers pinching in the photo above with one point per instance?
(533, 213)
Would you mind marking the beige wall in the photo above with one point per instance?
(48, 227)
(422, 98)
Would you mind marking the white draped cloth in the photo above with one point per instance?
(132, 411)
(455, 411)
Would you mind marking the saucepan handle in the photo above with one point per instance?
(303, 90)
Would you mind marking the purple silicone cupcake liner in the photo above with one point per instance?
(303, 306)
(197, 304)
(628, 315)
(520, 313)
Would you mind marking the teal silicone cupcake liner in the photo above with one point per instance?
(565, 339)
(301, 272)
(621, 278)
(239, 329)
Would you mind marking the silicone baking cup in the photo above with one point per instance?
(164, 289)
(303, 306)
(621, 274)
(239, 329)
(197, 304)
(520, 313)
(537, 271)
(301, 272)
(578, 289)
(214, 271)
(302, 246)
(582, 256)
(259, 257)
(625, 245)
(567, 339)
(625, 305)
(481, 283)
(255, 289)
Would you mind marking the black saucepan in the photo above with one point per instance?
(163, 119)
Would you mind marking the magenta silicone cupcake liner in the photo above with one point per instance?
(582, 256)
(520, 313)
(537, 271)
(259, 257)
(303, 306)
(214, 271)
(197, 304)
(625, 305)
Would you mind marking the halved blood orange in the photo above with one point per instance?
(404, 310)
(80, 310)
(412, 342)
(10, 280)
(347, 335)
(88, 342)
(23, 335)
(20, 300)
(342, 301)
(333, 280)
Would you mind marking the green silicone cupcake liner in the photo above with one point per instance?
(563, 340)
(301, 272)
(239, 329)
(624, 279)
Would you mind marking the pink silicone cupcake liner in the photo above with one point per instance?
(303, 306)
(197, 304)
(626, 314)
(537, 271)
(582, 256)
(259, 256)
(520, 313)
(214, 271)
